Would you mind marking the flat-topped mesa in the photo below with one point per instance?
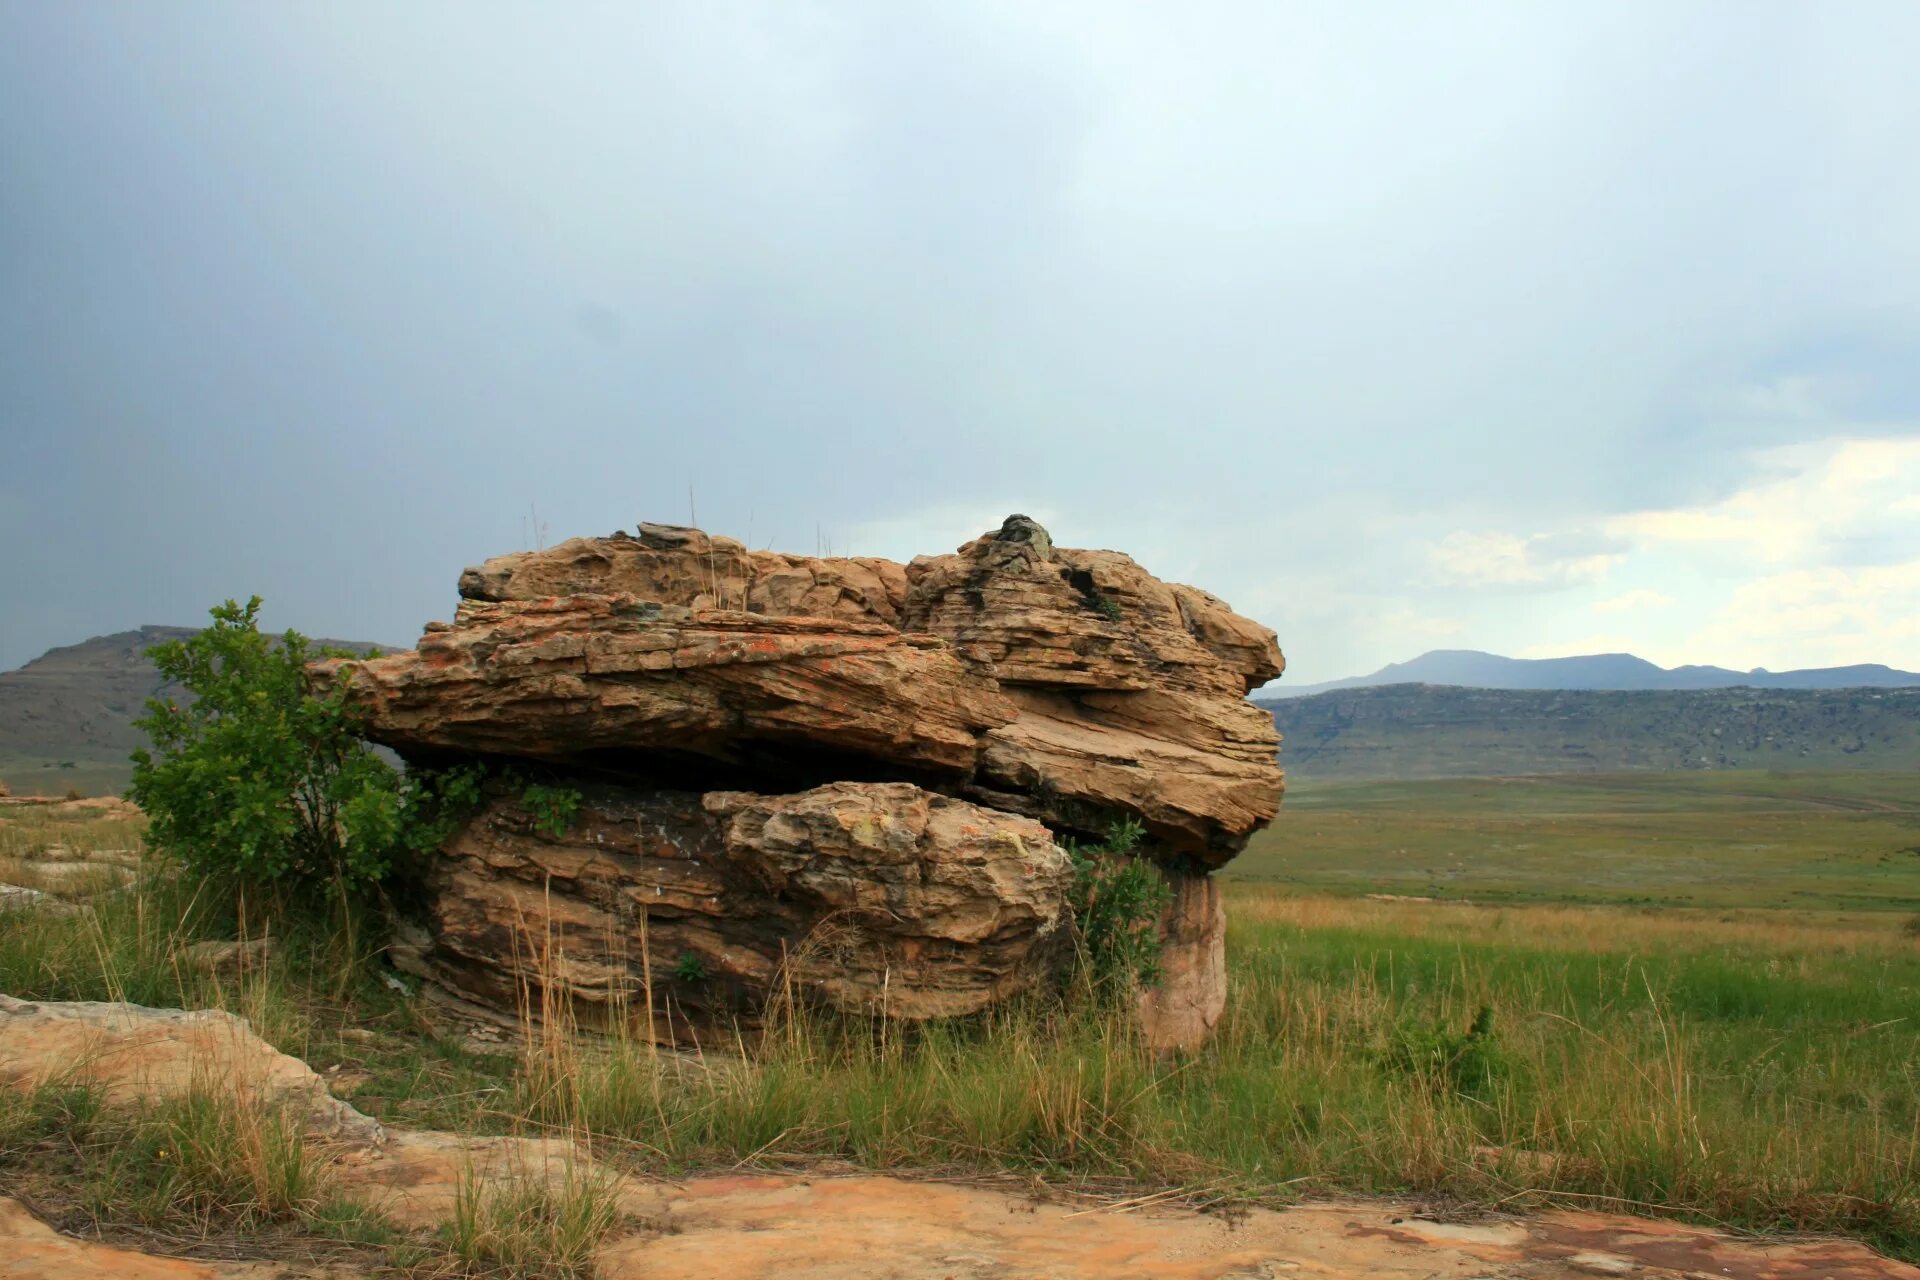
(579, 679)
(676, 565)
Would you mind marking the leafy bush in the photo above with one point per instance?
(553, 808)
(1117, 902)
(1456, 1062)
(257, 778)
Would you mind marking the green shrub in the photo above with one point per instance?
(553, 808)
(256, 778)
(1117, 901)
(1465, 1063)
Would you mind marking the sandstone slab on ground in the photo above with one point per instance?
(134, 1053)
(31, 1250)
(878, 1228)
(872, 897)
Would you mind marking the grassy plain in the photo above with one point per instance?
(1809, 841)
(1748, 1056)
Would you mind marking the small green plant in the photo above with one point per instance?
(1118, 898)
(689, 968)
(1464, 1063)
(438, 802)
(553, 808)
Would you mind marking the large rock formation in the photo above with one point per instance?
(787, 758)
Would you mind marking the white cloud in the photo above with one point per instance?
(1811, 499)
(1508, 560)
(1410, 624)
(1827, 616)
(1633, 602)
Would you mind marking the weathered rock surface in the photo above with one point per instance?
(1130, 691)
(569, 678)
(871, 897)
(676, 565)
(31, 1250)
(1055, 617)
(135, 1053)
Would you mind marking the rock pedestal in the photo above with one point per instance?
(830, 779)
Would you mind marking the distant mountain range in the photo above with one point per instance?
(66, 718)
(1473, 669)
(1404, 731)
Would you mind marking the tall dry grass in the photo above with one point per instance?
(1748, 1071)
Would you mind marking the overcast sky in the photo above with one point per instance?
(1532, 327)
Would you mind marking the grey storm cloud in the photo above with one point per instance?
(323, 301)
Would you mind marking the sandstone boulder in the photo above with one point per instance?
(875, 898)
(1026, 687)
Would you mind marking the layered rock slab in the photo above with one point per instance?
(569, 678)
(1093, 689)
(697, 910)
(677, 565)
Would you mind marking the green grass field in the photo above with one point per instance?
(1811, 841)
(37, 777)
(1683, 1003)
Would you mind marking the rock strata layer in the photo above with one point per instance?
(576, 677)
(1010, 689)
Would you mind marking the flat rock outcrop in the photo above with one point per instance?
(697, 910)
(814, 1226)
(133, 1054)
(986, 698)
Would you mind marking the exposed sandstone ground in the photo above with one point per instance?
(816, 1228)
(841, 780)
